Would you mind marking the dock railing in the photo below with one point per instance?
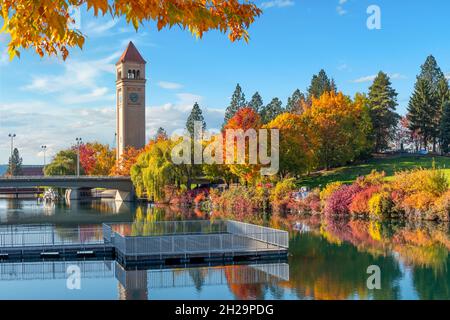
(273, 236)
(47, 236)
(192, 237)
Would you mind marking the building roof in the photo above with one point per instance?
(131, 54)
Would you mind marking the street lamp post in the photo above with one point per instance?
(12, 136)
(79, 142)
(44, 149)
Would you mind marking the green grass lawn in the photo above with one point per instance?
(389, 165)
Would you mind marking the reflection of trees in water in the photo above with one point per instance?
(83, 233)
(198, 277)
(330, 260)
(423, 246)
(237, 282)
(430, 284)
(323, 270)
(13, 204)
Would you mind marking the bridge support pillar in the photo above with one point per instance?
(125, 196)
(73, 194)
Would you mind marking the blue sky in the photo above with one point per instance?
(48, 101)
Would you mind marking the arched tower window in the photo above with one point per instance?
(138, 75)
(130, 75)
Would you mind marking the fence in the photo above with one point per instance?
(268, 235)
(193, 237)
(43, 236)
(158, 228)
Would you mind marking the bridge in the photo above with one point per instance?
(74, 185)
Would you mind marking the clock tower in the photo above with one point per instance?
(130, 109)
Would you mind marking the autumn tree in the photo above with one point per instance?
(295, 102)
(382, 101)
(87, 158)
(320, 83)
(127, 159)
(296, 147)
(64, 163)
(256, 103)
(96, 159)
(245, 119)
(237, 102)
(339, 129)
(46, 25)
(272, 110)
(105, 159)
(154, 170)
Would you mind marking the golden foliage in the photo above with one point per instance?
(45, 25)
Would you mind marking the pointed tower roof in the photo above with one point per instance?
(131, 54)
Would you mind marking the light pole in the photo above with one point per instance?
(44, 149)
(79, 142)
(12, 136)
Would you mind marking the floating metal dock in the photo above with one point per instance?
(158, 243)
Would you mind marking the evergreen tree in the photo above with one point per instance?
(161, 134)
(15, 164)
(237, 102)
(421, 111)
(443, 93)
(445, 128)
(320, 83)
(256, 103)
(382, 103)
(433, 75)
(196, 115)
(294, 103)
(272, 110)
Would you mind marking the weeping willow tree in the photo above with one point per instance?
(154, 171)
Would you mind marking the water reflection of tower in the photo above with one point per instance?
(132, 284)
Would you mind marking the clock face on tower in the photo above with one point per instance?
(134, 97)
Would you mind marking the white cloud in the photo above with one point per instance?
(100, 27)
(343, 66)
(393, 76)
(56, 125)
(447, 76)
(277, 4)
(39, 123)
(169, 85)
(76, 79)
(340, 8)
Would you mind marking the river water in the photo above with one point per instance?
(328, 259)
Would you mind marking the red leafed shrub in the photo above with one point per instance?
(190, 197)
(339, 202)
(360, 202)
